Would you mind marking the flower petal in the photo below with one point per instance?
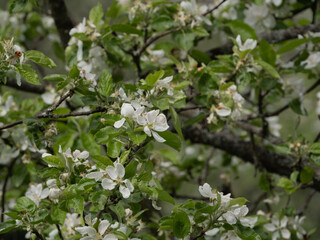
(129, 185)
(112, 172)
(157, 137)
(124, 191)
(95, 175)
(86, 231)
(103, 226)
(108, 184)
(120, 170)
(119, 124)
(151, 116)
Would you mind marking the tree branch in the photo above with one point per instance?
(25, 86)
(56, 116)
(62, 20)
(4, 187)
(271, 161)
(280, 110)
(272, 37)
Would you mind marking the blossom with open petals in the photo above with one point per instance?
(116, 175)
(89, 233)
(36, 193)
(153, 123)
(249, 44)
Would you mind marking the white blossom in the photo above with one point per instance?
(153, 123)
(116, 175)
(54, 190)
(36, 193)
(278, 228)
(312, 61)
(259, 17)
(249, 44)
(89, 233)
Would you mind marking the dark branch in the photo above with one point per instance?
(4, 187)
(280, 110)
(25, 86)
(62, 20)
(56, 116)
(272, 37)
(273, 162)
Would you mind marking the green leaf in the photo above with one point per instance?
(96, 14)
(172, 140)
(74, 72)
(182, 85)
(55, 78)
(19, 174)
(153, 78)
(200, 31)
(17, 5)
(137, 138)
(291, 44)
(54, 161)
(40, 58)
(102, 161)
(285, 183)
(118, 210)
(105, 83)
(40, 216)
(297, 107)
(7, 226)
(306, 175)
(176, 121)
(181, 224)
(314, 148)
(105, 134)
(194, 120)
(242, 29)
(271, 70)
(114, 148)
(89, 143)
(131, 169)
(164, 196)
(25, 204)
(200, 56)
(184, 39)
(238, 201)
(28, 74)
(125, 28)
(57, 215)
(267, 53)
(124, 156)
(264, 183)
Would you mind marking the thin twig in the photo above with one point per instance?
(61, 100)
(205, 170)
(4, 187)
(255, 204)
(280, 110)
(59, 231)
(306, 203)
(56, 116)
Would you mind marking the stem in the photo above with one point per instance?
(56, 116)
(280, 110)
(4, 187)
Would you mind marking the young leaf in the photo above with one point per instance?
(176, 121)
(306, 175)
(40, 58)
(181, 224)
(96, 14)
(28, 74)
(271, 70)
(105, 83)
